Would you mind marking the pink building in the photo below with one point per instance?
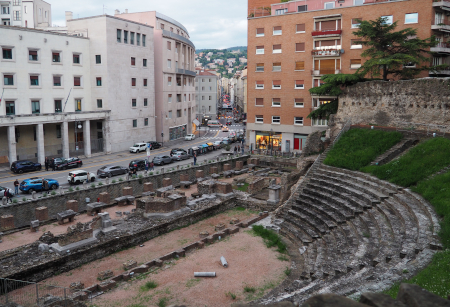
(314, 5)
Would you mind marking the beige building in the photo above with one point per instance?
(27, 14)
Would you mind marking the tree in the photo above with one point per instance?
(398, 53)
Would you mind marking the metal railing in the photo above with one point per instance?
(344, 129)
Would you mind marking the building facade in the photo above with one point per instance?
(25, 13)
(300, 41)
(206, 96)
(174, 75)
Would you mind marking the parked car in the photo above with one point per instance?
(25, 166)
(225, 129)
(138, 147)
(180, 155)
(176, 150)
(226, 141)
(36, 184)
(68, 163)
(218, 144)
(189, 137)
(228, 123)
(80, 176)
(109, 171)
(138, 165)
(162, 159)
(2, 191)
(154, 145)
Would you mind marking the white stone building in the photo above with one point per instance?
(206, 95)
(25, 13)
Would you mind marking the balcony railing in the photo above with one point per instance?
(321, 72)
(186, 72)
(326, 52)
(327, 33)
(441, 48)
(445, 5)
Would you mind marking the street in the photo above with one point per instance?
(205, 135)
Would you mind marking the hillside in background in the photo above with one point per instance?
(242, 48)
(217, 59)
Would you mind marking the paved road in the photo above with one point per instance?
(123, 159)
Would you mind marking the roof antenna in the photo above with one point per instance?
(104, 9)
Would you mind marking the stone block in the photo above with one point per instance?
(72, 205)
(76, 286)
(199, 174)
(76, 233)
(117, 278)
(7, 222)
(148, 187)
(127, 191)
(223, 188)
(213, 170)
(126, 276)
(34, 226)
(106, 285)
(105, 275)
(80, 296)
(219, 227)
(94, 208)
(180, 253)
(41, 213)
(234, 220)
(239, 165)
(203, 234)
(161, 205)
(104, 198)
(166, 182)
(140, 269)
(68, 214)
(167, 256)
(184, 177)
(226, 167)
(158, 262)
(233, 230)
(130, 264)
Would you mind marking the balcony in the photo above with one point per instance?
(186, 72)
(441, 25)
(326, 33)
(443, 5)
(441, 48)
(445, 71)
(326, 52)
(322, 72)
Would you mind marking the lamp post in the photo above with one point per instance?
(79, 126)
(271, 142)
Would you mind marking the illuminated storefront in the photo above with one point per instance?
(268, 140)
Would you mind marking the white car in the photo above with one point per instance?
(189, 137)
(138, 147)
(80, 176)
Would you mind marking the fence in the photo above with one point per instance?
(76, 149)
(29, 294)
(96, 145)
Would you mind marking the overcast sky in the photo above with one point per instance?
(211, 24)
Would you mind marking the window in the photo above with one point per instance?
(169, 81)
(179, 113)
(58, 106)
(355, 63)
(133, 61)
(276, 119)
(145, 121)
(356, 22)
(276, 84)
(7, 53)
(300, 65)
(134, 123)
(329, 5)
(10, 108)
(300, 47)
(125, 37)
(161, 26)
(302, 8)
(169, 63)
(170, 114)
(76, 81)
(56, 57)
(259, 49)
(8, 80)
(98, 59)
(133, 81)
(259, 101)
(16, 15)
(281, 11)
(259, 85)
(259, 119)
(209, 97)
(358, 2)
(119, 35)
(143, 40)
(319, 122)
(276, 67)
(35, 107)
(99, 103)
(260, 67)
(5, 10)
(34, 80)
(259, 32)
(76, 59)
(98, 81)
(144, 62)
(178, 97)
(169, 98)
(299, 84)
(355, 45)
(33, 55)
(138, 39)
(387, 19)
(276, 102)
(145, 82)
(169, 46)
(58, 131)
(298, 102)
(185, 97)
(412, 18)
(145, 102)
(298, 121)
(78, 105)
(276, 48)
(56, 80)
(133, 103)
(277, 30)
(300, 28)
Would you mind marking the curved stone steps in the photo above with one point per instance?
(314, 222)
(334, 202)
(313, 203)
(302, 226)
(315, 215)
(294, 234)
(426, 208)
(390, 244)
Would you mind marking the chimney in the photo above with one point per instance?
(69, 15)
(116, 12)
(126, 11)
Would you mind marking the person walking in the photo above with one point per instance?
(88, 177)
(53, 164)
(152, 166)
(146, 166)
(235, 149)
(45, 185)
(242, 149)
(239, 148)
(195, 158)
(16, 187)
(46, 164)
(8, 196)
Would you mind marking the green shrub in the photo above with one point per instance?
(149, 285)
(249, 289)
(100, 184)
(120, 179)
(140, 176)
(53, 193)
(14, 201)
(77, 188)
(359, 147)
(420, 162)
(151, 173)
(232, 295)
(163, 302)
(24, 199)
(70, 189)
(113, 181)
(271, 238)
(44, 194)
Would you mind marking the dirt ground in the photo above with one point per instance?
(251, 265)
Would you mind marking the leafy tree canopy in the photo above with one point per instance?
(325, 110)
(333, 84)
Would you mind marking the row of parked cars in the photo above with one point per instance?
(138, 147)
(23, 166)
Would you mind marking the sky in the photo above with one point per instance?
(211, 24)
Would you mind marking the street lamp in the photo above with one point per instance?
(79, 126)
(271, 142)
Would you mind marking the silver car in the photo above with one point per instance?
(162, 159)
(180, 155)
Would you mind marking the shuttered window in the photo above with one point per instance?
(277, 48)
(299, 84)
(300, 27)
(299, 47)
(260, 85)
(277, 30)
(299, 102)
(276, 102)
(259, 49)
(56, 81)
(260, 67)
(259, 101)
(355, 63)
(76, 81)
(259, 32)
(300, 65)
(276, 84)
(276, 67)
(259, 119)
(328, 25)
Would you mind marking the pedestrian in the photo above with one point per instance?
(46, 164)
(88, 177)
(242, 149)
(45, 185)
(16, 187)
(72, 179)
(53, 164)
(195, 158)
(235, 149)
(239, 148)
(152, 166)
(146, 166)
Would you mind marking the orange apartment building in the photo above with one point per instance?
(292, 44)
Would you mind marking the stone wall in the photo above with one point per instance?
(391, 103)
(257, 185)
(24, 212)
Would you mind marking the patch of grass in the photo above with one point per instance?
(239, 208)
(120, 179)
(92, 185)
(77, 188)
(359, 147)
(148, 286)
(287, 271)
(405, 271)
(242, 188)
(113, 181)
(366, 234)
(100, 184)
(53, 193)
(232, 295)
(249, 289)
(192, 282)
(283, 258)
(271, 238)
(163, 302)
(420, 162)
(14, 201)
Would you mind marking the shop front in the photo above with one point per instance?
(268, 140)
(177, 132)
(299, 141)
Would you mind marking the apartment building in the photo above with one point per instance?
(240, 97)
(300, 41)
(206, 95)
(174, 74)
(25, 13)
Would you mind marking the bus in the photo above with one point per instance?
(214, 123)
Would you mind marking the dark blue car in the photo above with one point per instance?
(25, 166)
(36, 184)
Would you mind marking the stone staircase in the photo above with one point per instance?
(395, 151)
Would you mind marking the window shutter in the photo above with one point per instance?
(55, 53)
(299, 82)
(355, 22)
(328, 43)
(278, 28)
(328, 25)
(259, 101)
(276, 47)
(298, 99)
(259, 47)
(277, 64)
(260, 65)
(170, 79)
(260, 82)
(338, 24)
(327, 64)
(76, 81)
(260, 31)
(301, 27)
(353, 42)
(300, 47)
(55, 79)
(278, 100)
(300, 65)
(276, 82)
(355, 62)
(33, 52)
